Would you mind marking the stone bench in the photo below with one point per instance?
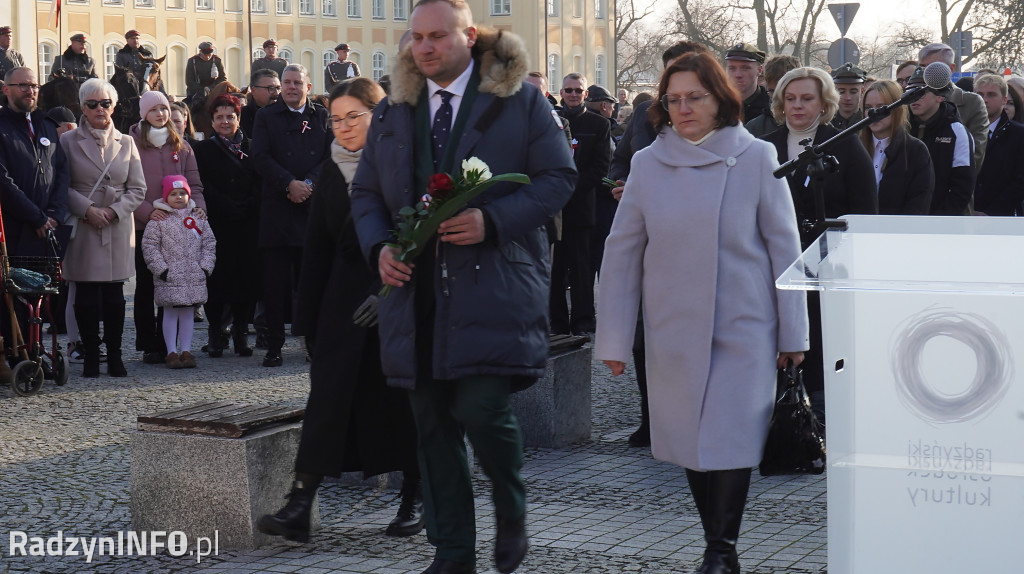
(555, 411)
(212, 469)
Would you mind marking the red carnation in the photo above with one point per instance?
(440, 185)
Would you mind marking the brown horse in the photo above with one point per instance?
(60, 91)
(202, 115)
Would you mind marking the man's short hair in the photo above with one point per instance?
(777, 66)
(10, 73)
(460, 6)
(944, 52)
(263, 73)
(680, 48)
(992, 80)
(575, 76)
(296, 68)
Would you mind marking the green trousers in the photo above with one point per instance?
(446, 412)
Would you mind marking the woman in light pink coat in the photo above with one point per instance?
(702, 232)
(180, 251)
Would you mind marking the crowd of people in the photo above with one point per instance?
(285, 214)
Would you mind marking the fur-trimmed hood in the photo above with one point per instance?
(500, 56)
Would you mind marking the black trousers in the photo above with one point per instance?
(149, 334)
(281, 266)
(570, 267)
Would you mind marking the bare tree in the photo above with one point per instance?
(639, 42)
(995, 24)
(717, 25)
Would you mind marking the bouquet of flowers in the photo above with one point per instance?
(445, 196)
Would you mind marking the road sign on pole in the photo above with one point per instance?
(842, 51)
(843, 15)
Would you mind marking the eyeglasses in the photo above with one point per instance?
(693, 100)
(902, 81)
(573, 90)
(351, 120)
(26, 87)
(270, 89)
(92, 104)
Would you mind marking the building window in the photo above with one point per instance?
(258, 53)
(554, 78)
(204, 5)
(577, 8)
(379, 63)
(328, 8)
(306, 7)
(401, 9)
(599, 8)
(258, 6)
(553, 7)
(109, 56)
(46, 52)
(378, 10)
(113, 2)
(144, 3)
(78, 1)
(328, 57)
(234, 6)
(501, 7)
(599, 70)
(151, 48)
(354, 9)
(287, 54)
(175, 4)
(284, 6)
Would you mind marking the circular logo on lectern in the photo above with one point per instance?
(991, 378)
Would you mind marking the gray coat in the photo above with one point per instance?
(106, 254)
(494, 319)
(704, 254)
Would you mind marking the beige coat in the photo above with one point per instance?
(702, 233)
(102, 254)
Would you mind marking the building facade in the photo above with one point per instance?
(561, 36)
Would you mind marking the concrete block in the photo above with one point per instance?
(207, 486)
(555, 411)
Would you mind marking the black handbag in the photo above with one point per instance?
(795, 442)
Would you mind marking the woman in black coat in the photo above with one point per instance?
(354, 421)
(804, 102)
(901, 164)
(226, 169)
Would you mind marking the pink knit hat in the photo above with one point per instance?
(172, 182)
(150, 100)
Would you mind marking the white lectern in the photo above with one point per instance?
(923, 322)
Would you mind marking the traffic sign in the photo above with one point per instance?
(843, 15)
(842, 51)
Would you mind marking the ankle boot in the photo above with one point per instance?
(113, 330)
(409, 519)
(240, 339)
(726, 498)
(88, 317)
(292, 521)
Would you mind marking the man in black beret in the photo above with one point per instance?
(131, 55)
(849, 80)
(270, 61)
(9, 59)
(743, 64)
(340, 69)
(204, 70)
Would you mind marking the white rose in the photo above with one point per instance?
(477, 165)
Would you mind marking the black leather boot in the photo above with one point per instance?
(409, 519)
(113, 331)
(726, 497)
(88, 317)
(292, 521)
(510, 544)
(240, 339)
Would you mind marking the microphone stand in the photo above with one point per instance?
(819, 162)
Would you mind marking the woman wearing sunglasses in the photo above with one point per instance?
(702, 215)
(107, 185)
(163, 152)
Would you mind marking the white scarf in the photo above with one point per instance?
(347, 161)
(158, 136)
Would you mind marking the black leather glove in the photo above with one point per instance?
(366, 313)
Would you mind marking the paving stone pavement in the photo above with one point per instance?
(597, 507)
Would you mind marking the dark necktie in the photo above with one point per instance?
(31, 132)
(442, 127)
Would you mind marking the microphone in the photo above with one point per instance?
(937, 76)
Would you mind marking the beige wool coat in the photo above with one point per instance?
(106, 254)
(702, 232)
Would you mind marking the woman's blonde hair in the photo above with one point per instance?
(829, 95)
(890, 92)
